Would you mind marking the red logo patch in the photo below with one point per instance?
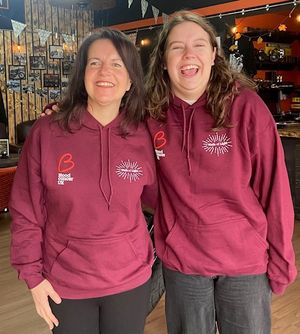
(159, 140)
(66, 163)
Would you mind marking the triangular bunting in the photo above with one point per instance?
(165, 18)
(67, 38)
(43, 35)
(18, 27)
(132, 37)
(155, 12)
(144, 5)
(130, 3)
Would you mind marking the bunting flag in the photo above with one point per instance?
(155, 12)
(43, 35)
(130, 3)
(18, 27)
(67, 38)
(144, 5)
(165, 18)
(132, 37)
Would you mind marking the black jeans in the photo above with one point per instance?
(122, 313)
(237, 305)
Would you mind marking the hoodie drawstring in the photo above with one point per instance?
(107, 198)
(186, 136)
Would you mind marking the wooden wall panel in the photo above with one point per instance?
(23, 105)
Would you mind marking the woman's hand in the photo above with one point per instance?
(50, 108)
(40, 295)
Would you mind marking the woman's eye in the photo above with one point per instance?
(177, 47)
(117, 65)
(94, 63)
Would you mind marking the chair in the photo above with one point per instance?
(6, 180)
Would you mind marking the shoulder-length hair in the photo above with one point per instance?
(74, 102)
(224, 83)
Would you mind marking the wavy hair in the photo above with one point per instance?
(223, 85)
(74, 102)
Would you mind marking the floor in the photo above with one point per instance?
(17, 313)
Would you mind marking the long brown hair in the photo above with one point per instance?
(224, 83)
(75, 101)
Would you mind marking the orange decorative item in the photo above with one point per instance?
(282, 27)
(6, 180)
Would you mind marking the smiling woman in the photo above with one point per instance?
(93, 273)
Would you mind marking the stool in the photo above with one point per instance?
(6, 180)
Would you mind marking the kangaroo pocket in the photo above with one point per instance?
(96, 264)
(224, 248)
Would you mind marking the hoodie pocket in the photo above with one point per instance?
(224, 248)
(96, 264)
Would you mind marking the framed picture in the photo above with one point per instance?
(39, 50)
(51, 80)
(17, 72)
(56, 52)
(4, 148)
(37, 62)
(19, 58)
(4, 4)
(66, 67)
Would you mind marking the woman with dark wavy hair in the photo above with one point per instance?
(79, 236)
(224, 221)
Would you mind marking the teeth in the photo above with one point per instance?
(104, 84)
(189, 67)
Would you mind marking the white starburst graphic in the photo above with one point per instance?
(129, 170)
(217, 144)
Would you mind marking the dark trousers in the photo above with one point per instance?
(237, 305)
(122, 313)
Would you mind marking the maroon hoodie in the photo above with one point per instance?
(225, 205)
(76, 208)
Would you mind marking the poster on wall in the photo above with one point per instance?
(56, 52)
(37, 62)
(4, 4)
(17, 72)
(51, 80)
(11, 10)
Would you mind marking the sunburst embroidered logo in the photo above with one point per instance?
(217, 144)
(129, 170)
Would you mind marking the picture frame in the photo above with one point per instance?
(4, 148)
(37, 62)
(67, 67)
(17, 72)
(4, 4)
(51, 80)
(56, 52)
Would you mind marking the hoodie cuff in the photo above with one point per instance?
(278, 288)
(33, 281)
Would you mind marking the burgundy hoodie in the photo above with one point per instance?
(225, 205)
(76, 208)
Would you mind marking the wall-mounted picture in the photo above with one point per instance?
(19, 58)
(66, 67)
(4, 148)
(37, 62)
(34, 76)
(42, 92)
(14, 85)
(17, 72)
(56, 52)
(53, 66)
(54, 94)
(4, 4)
(27, 88)
(39, 50)
(51, 80)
